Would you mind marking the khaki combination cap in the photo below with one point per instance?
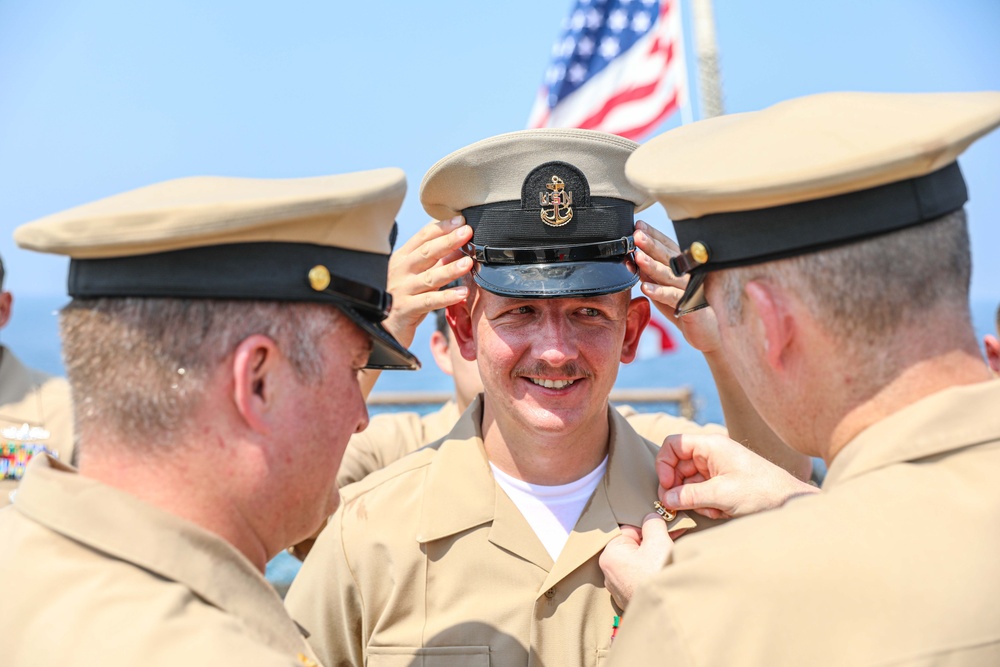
(809, 173)
(551, 210)
(325, 240)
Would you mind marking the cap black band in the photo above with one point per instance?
(506, 223)
(751, 237)
(583, 252)
(267, 271)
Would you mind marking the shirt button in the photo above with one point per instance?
(551, 593)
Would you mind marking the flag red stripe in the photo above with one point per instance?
(630, 95)
(641, 131)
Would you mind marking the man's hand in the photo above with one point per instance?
(417, 271)
(701, 330)
(419, 268)
(633, 557)
(719, 478)
(664, 289)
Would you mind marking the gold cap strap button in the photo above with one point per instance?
(319, 277)
(699, 252)
(696, 255)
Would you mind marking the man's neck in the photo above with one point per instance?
(176, 488)
(548, 459)
(914, 383)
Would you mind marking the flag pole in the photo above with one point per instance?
(707, 50)
(687, 113)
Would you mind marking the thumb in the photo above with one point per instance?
(690, 496)
(654, 532)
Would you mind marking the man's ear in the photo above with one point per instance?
(6, 304)
(256, 362)
(439, 350)
(992, 345)
(459, 318)
(769, 303)
(635, 323)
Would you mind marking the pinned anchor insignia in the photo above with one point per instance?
(560, 201)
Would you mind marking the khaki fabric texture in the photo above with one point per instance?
(119, 582)
(391, 436)
(866, 140)
(353, 211)
(893, 563)
(29, 396)
(493, 170)
(427, 562)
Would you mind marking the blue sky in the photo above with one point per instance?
(102, 96)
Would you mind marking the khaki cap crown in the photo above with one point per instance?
(808, 148)
(493, 170)
(354, 211)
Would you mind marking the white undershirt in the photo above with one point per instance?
(551, 511)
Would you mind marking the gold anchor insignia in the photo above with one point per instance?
(559, 200)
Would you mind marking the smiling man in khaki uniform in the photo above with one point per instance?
(483, 547)
(392, 435)
(213, 343)
(828, 234)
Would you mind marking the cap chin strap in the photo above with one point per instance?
(373, 303)
(582, 252)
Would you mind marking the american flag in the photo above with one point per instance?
(618, 67)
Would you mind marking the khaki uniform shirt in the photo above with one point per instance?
(895, 562)
(429, 563)
(393, 435)
(94, 576)
(29, 396)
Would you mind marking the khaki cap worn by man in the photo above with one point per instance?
(483, 547)
(829, 236)
(212, 346)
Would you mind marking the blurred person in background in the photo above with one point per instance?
(36, 412)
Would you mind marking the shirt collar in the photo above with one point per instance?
(54, 495)
(946, 421)
(461, 469)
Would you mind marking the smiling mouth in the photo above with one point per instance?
(552, 384)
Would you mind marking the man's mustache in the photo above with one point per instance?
(542, 370)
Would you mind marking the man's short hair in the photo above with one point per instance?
(138, 366)
(863, 292)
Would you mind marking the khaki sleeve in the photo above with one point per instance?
(326, 601)
(656, 426)
(648, 635)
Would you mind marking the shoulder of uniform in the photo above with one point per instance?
(656, 426)
(55, 386)
(398, 476)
